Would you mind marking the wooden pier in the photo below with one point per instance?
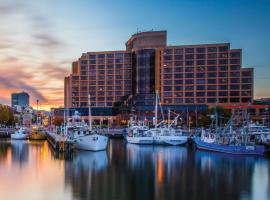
(60, 143)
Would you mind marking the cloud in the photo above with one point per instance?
(28, 59)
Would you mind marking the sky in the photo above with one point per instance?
(39, 39)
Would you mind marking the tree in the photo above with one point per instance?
(6, 115)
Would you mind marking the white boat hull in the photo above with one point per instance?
(140, 140)
(93, 142)
(170, 140)
(16, 136)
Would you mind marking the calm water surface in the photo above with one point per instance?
(32, 171)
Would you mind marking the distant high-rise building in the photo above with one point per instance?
(20, 99)
(184, 75)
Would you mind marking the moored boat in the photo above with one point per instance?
(20, 134)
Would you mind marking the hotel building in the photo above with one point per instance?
(185, 76)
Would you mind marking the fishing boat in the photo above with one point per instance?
(165, 134)
(20, 133)
(84, 136)
(38, 133)
(228, 141)
(138, 134)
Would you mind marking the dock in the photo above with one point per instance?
(60, 143)
(6, 132)
(113, 133)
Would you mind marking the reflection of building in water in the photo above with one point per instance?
(20, 151)
(157, 172)
(83, 172)
(221, 175)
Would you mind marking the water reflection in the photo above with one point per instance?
(19, 151)
(128, 171)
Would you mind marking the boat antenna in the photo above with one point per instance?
(89, 113)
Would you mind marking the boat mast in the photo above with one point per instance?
(169, 116)
(156, 109)
(89, 114)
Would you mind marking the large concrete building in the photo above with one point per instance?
(185, 76)
(20, 99)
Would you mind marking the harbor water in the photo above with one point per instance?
(32, 170)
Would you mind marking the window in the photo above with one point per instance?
(178, 82)
(246, 73)
(212, 75)
(223, 74)
(212, 55)
(167, 57)
(235, 67)
(246, 80)
(189, 50)
(222, 100)
(178, 75)
(178, 57)
(211, 49)
(235, 80)
(223, 93)
(246, 87)
(211, 94)
(211, 100)
(223, 68)
(101, 56)
(211, 87)
(200, 94)
(200, 50)
(177, 88)
(189, 56)
(200, 100)
(235, 54)
(178, 63)
(167, 88)
(200, 62)
(223, 80)
(189, 100)
(92, 57)
(189, 81)
(189, 69)
(200, 81)
(200, 56)
(211, 81)
(190, 75)
(167, 51)
(223, 62)
(234, 87)
(178, 51)
(211, 68)
(189, 87)
(246, 93)
(178, 69)
(222, 49)
(200, 87)
(223, 87)
(235, 74)
(211, 62)
(234, 93)
(189, 94)
(234, 100)
(110, 55)
(84, 62)
(92, 62)
(235, 61)
(200, 75)
(119, 55)
(189, 63)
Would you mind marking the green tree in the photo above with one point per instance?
(6, 115)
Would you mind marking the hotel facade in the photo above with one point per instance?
(186, 76)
